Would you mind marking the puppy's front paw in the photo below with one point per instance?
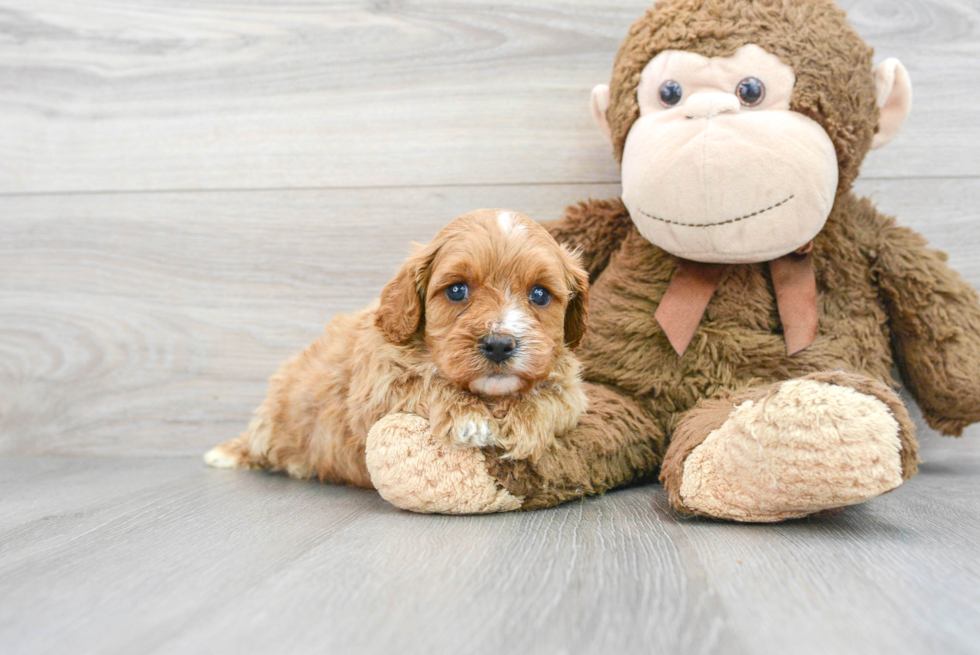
(474, 432)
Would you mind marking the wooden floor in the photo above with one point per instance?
(189, 189)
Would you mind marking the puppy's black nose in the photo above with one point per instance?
(497, 349)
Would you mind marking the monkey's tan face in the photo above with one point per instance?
(718, 168)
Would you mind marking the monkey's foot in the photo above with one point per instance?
(790, 450)
(412, 471)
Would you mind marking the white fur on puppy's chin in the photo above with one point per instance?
(489, 385)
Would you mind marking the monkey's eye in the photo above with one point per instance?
(670, 93)
(751, 91)
(540, 296)
(457, 292)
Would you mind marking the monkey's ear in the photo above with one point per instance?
(577, 311)
(894, 100)
(600, 103)
(400, 313)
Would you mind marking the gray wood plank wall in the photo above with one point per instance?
(189, 190)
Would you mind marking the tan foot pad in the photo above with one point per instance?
(811, 446)
(411, 470)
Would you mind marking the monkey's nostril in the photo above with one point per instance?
(498, 349)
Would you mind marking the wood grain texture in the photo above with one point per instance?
(124, 95)
(147, 324)
(117, 555)
(189, 189)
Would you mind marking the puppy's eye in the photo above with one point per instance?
(540, 296)
(751, 91)
(670, 93)
(457, 292)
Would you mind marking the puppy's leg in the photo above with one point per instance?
(301, 443)
(247, 451)
(529, 429)
(302, 426)
(232, 454)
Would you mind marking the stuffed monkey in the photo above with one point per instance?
(746, 306)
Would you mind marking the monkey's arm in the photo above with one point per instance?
(935, 322)
(596, 228)
(617, 441)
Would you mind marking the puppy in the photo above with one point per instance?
(474, 333)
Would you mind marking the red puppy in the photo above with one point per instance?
(473, 333)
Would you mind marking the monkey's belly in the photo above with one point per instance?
(739, 343)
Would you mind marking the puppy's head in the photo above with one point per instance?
(496, 299)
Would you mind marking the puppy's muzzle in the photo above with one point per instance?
(498, 349)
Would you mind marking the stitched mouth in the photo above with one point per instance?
(728, 222)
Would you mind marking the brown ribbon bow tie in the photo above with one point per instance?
(692, 286)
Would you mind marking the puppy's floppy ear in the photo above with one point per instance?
(576, 314)
(400, 312)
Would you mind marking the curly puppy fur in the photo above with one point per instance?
(417, 350)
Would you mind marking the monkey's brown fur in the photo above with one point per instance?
(883, 296)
